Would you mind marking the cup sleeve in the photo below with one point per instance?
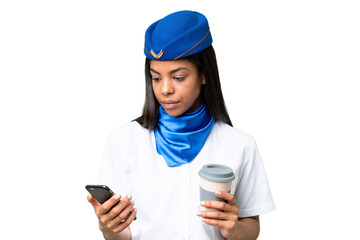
(253, 193)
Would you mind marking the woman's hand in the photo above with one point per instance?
(226, 219)
(113, 214)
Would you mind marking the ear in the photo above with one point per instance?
(203, 80)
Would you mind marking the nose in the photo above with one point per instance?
(167, 87)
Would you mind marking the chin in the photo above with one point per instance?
(173, 112)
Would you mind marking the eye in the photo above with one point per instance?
(156, 79)
(178, 78)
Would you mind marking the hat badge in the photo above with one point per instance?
(157, 56)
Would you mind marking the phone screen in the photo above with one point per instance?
(101, 193)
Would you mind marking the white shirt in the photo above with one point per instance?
(167, 198)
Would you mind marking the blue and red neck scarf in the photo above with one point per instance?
(180, 139)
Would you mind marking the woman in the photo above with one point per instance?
(155, 159)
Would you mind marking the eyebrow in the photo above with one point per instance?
(173, 71)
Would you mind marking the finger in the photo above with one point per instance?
(119, 208)
(219, 223)
(106, 206)
(127, 222)
(126, 213)
(218, 215)
(227, 196)
(122, 217)
(226, 207)
(93, 201)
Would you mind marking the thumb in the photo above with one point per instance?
(93, 201)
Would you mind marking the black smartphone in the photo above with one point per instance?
(101, 193)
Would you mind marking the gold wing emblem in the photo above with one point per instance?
(157, 56)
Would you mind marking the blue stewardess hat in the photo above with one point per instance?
(177, 35)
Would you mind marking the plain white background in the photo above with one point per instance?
(71, 71)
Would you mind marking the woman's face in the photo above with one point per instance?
(176, 85)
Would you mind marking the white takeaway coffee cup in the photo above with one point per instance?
(214, 177)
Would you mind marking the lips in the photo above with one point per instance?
(169, 104)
